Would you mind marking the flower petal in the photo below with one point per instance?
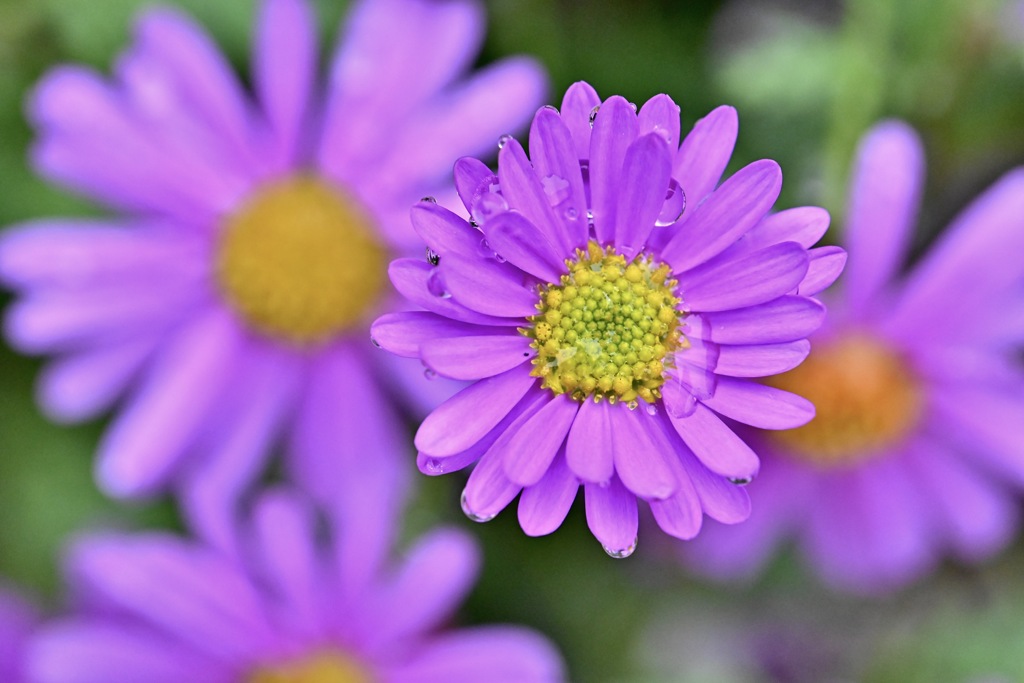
(759, 405)
(554, 156)
(588, 450)
(612, 516)
(644, 182)
(527, 449)
(785, 319)
(579, 100)
(824, 267)
(712, 441)
(640, 459)
(660, 115)
(489, 288)
(475, 357)
(544, 506)
(761, 360)
(525, 245)
(752, 279)
(705, 153)
(615, 129)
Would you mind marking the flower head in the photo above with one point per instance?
(227, 301)
(306, 602)
(611, 303)
(918, 388)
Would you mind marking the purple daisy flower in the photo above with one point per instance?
(294, 606)
(228, 303)
(17, 620)
(612, 304)
(919, 434)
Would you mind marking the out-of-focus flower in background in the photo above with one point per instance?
(227, 301)
(612, 300)
(17, 621)
(918, 442)
(310, 598)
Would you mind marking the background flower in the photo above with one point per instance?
(918, 386)
(227, 302)
(17, 620)
(607, 325)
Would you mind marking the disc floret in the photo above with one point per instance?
(608, 328)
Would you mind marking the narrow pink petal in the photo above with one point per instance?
(615, 129)
(488, 491)
(705, 153)
(733, 209)
(612, 516)
(444, 231)
(526, 246)
(588, 450)
(544, 506)
(825, 266)
(785, 319)
(713, 441)
(493, 289)
(557, 163)
(476, 357)
(176, 400)
(644, 182)
(759, 405)
(577, 104)
(720, 499)
(804, 225)
(470, 174)
(525, 192)
(284, 65)
(413, 278)
(752, 279)
(527, 449)
(660, 115)
(404, 333)
(468, 416)
(885, 194)
(640, 461)
(761, 360)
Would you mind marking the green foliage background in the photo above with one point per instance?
(808, 79)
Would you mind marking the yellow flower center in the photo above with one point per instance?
(607, 327)
(325, 667)
(866, 399)
(299, 261)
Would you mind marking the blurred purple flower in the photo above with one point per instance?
(229, 300)
(17, 620)
(305, 601)
(919, 435)
(609, 325)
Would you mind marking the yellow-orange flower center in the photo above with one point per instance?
(608, 328)
(866, 399)
(299, 261)
(325, 667)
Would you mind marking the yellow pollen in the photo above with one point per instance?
(325, 667)
(299, 261)
(866, 400)
(608, 328)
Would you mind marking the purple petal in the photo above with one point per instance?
(177, 399)
(884, 198)
(705, 153)
(680, 515)
(525, 245)
(525, 193)
(733, 209)
(824, 267)
(412, 278)
(443, 231)
(490, 288)
(660, 115)
(612, 516)
(468, 416)
(579, 100)
(615, 129)
(477, 356)
(83, 384)
(527, 449)
(470, 174)
(434, 578)
(804, 225)
(544, 506)
(721, 499)
(785, 319)
(554, 156)
(761, 360)
(488, 491)
(712, 441)
(644, 181)
(759, 405)
(588, 450)
(752, 279)
(497, 654)
(284, 62)
(640, 460)
(405, 333)
(86, 651)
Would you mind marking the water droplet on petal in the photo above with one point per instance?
(593, 114)
(375, 343)
(434, 466)
(429, 373)
(674, 206)
(488, 203)
(621, 553)
(433, 258)
(469, 512)
(571, 213)
(652, 409)
(503, 140)
(633, 105)
(633, 405)
(550, 108)
(429, 199)
(435, 285)
(556, 188)
(739, 481)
